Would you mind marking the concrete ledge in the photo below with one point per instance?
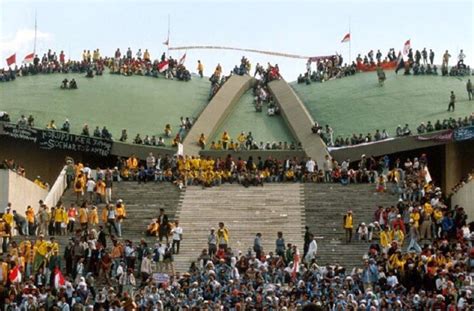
(216, 111)
(385, 147)
(299, 120)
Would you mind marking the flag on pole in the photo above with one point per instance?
(29, 58)
(182, 59)
(15, 275)
(11, 60)
(163, 66)
(406, 47)
(346, 38)
(58, 279)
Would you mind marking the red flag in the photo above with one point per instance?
(164, 65)
(29, 58)
(406, 47)
(15, 275)
(58, 278)
(346, 38)
(182, 59)
(11, 60)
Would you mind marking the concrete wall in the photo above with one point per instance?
(459, 161)
(216, 111)
(465, 198)
(21, 192)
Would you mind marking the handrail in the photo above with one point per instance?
(57, 190)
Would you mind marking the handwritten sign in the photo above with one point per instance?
(61, 140)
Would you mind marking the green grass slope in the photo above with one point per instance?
(358, 104)
(140, 104)
(264, 128)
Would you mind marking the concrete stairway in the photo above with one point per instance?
(142, 204)
(326, 204)
(244, 211)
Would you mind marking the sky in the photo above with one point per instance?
(307, 28)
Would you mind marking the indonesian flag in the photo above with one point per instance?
(346, 38)
(58, 279)
(15, 275)
(406, 47)
(163, 66)
(29, 58)
(182, 59)
(11, 60)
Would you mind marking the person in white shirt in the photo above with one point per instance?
(90, 187)
(310, 165)
(177, 232)
(312, 250)
(146, 268)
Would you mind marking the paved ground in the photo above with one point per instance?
(358, 104)
(263, 127)
(141, 104)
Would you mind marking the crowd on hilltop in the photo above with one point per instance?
(327, 68)
(417, 62)
(327, 133)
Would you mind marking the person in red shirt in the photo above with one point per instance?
(62, 57)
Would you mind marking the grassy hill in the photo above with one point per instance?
(140, 104)
(358, 104)
(264, 128)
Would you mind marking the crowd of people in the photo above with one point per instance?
(327, 133)
(327, 68)
(419, 257)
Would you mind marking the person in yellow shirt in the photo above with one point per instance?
(222, 236)
(79, 186)
(121, 214)
(398, 236)
(146, 55)
(241, 139)
(385, 239)
(41, 247)
(9, 221)
(4, 271)
(289, 175)
(202, 141)
(83, 216)
(93, 217)
(38, 181)
(60, 219)
(348, 224)
(200, 69)
(225, 140)
(232, 145)
(100, 191)
(415, 215)
(30, 218)
(132, 163)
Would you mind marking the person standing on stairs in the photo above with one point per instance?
(177, 237)
(307, 240)
(348, 224)
(257, 246)
(222, 236)
(164, 225)
(212, 242)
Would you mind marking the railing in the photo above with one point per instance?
(57, 190)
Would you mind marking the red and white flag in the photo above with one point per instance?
(29, 58)
(346, 38)
(15, 275)
(58, 279)
(182, 59)
(11, 60)
(163, 66)
(406, 47)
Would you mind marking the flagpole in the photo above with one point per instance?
(36, 27)
(350, 39)
(168, 45)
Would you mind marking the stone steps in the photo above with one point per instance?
(325, 206)
(245, 211)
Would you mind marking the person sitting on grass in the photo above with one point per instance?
(73, 84)
(64, 84)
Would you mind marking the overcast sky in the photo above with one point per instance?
(308, 28)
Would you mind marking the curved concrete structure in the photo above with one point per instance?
(299, 120)
(216, 111)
